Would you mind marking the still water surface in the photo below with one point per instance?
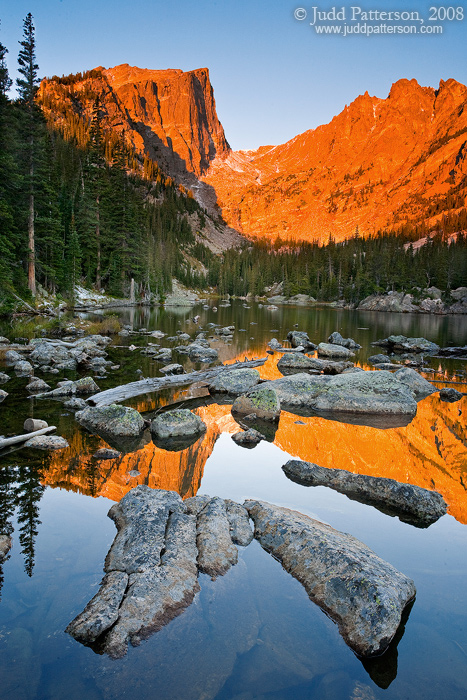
(252, 633)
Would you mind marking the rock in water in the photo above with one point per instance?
(363, 594)
(336, 339)
(116, 420)
(240, 528)
(263, 401)
(177, 423)
(235, 382)
(3, 395)
(47, 442)
(420, 387)
(5, 546)
(334, 350)
(217, 553)
(450, 395)
(410, 503)
(298, 338)
(295, 361)
(249, 438)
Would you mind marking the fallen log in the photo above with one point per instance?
(6, 442)
(145, 386)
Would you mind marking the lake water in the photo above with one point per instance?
(254, 633)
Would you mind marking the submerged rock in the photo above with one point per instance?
(363, 594)
(235, 382)
(263, 401)
(412, 504)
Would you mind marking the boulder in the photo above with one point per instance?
(249, 438)
(3, 377)
(411, 504)
(379, 359)
(75, 404)
(298, 338)
(106, 453)
(458, 352)
(401, 344)
(393, 301)
(3, 395)
(47, 442)
(114, 420)
(5, 546)
(23, 368)
(198, 353)
(3, 340)
(295, 361)
(216, 551)
(173, 368)
(459, 294)
(37, 386)
(274, 344)
(235, 382)
(12, 357)
(177, 423)
(349, 343)
(263, 401)
(363, 594)
(450, 395)
(332, 350)
(420, 387)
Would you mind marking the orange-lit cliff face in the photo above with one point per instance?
(168, 114)
(430, 452)
(378, 164)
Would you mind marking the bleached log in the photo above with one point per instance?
(146, 386)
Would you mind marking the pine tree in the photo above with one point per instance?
(27, 89)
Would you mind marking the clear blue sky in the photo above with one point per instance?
(273, 76)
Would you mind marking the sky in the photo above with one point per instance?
(274, 76)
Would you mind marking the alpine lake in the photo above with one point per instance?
(253, 633)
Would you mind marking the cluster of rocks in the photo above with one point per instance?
(432, 303)
(151, 569)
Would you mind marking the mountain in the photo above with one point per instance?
(380, 163)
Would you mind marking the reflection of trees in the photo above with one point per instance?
(29, 492)
(7, 506)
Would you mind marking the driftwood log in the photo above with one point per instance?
(6, 442)
(146, 386)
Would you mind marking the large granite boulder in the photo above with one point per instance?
(263, 401)
(295, 362)
(235, 382)
(300, 338)
(47, 442)
(412, 504)
(336, 339)
(363, 594)
(199, 353)
(402, 344)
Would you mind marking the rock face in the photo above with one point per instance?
(235, 382)
(177, 423)
(363, 594)
(411, 504)
(263, 401)
(334, 350)
(393, 147)
(115, 420)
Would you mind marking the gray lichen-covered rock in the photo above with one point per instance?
(240, 528)
(5, 546)
(3, 395)
(37, 385)
(12, 357)
(379, 359)
(177, 423)
(102, 611)
(3, 377)
(216, 551)
(263, 401)
(332, 350)
(363, 594)
(410, 503)
(86, 385)
(295, 361)
(23, 368)
(47, 442)
(336, 339)
(115, 420)
(75, 404)
(420, 387)
(235, 382)
(195, 504)
(174, 368)
(401, 344)
(107, 453)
